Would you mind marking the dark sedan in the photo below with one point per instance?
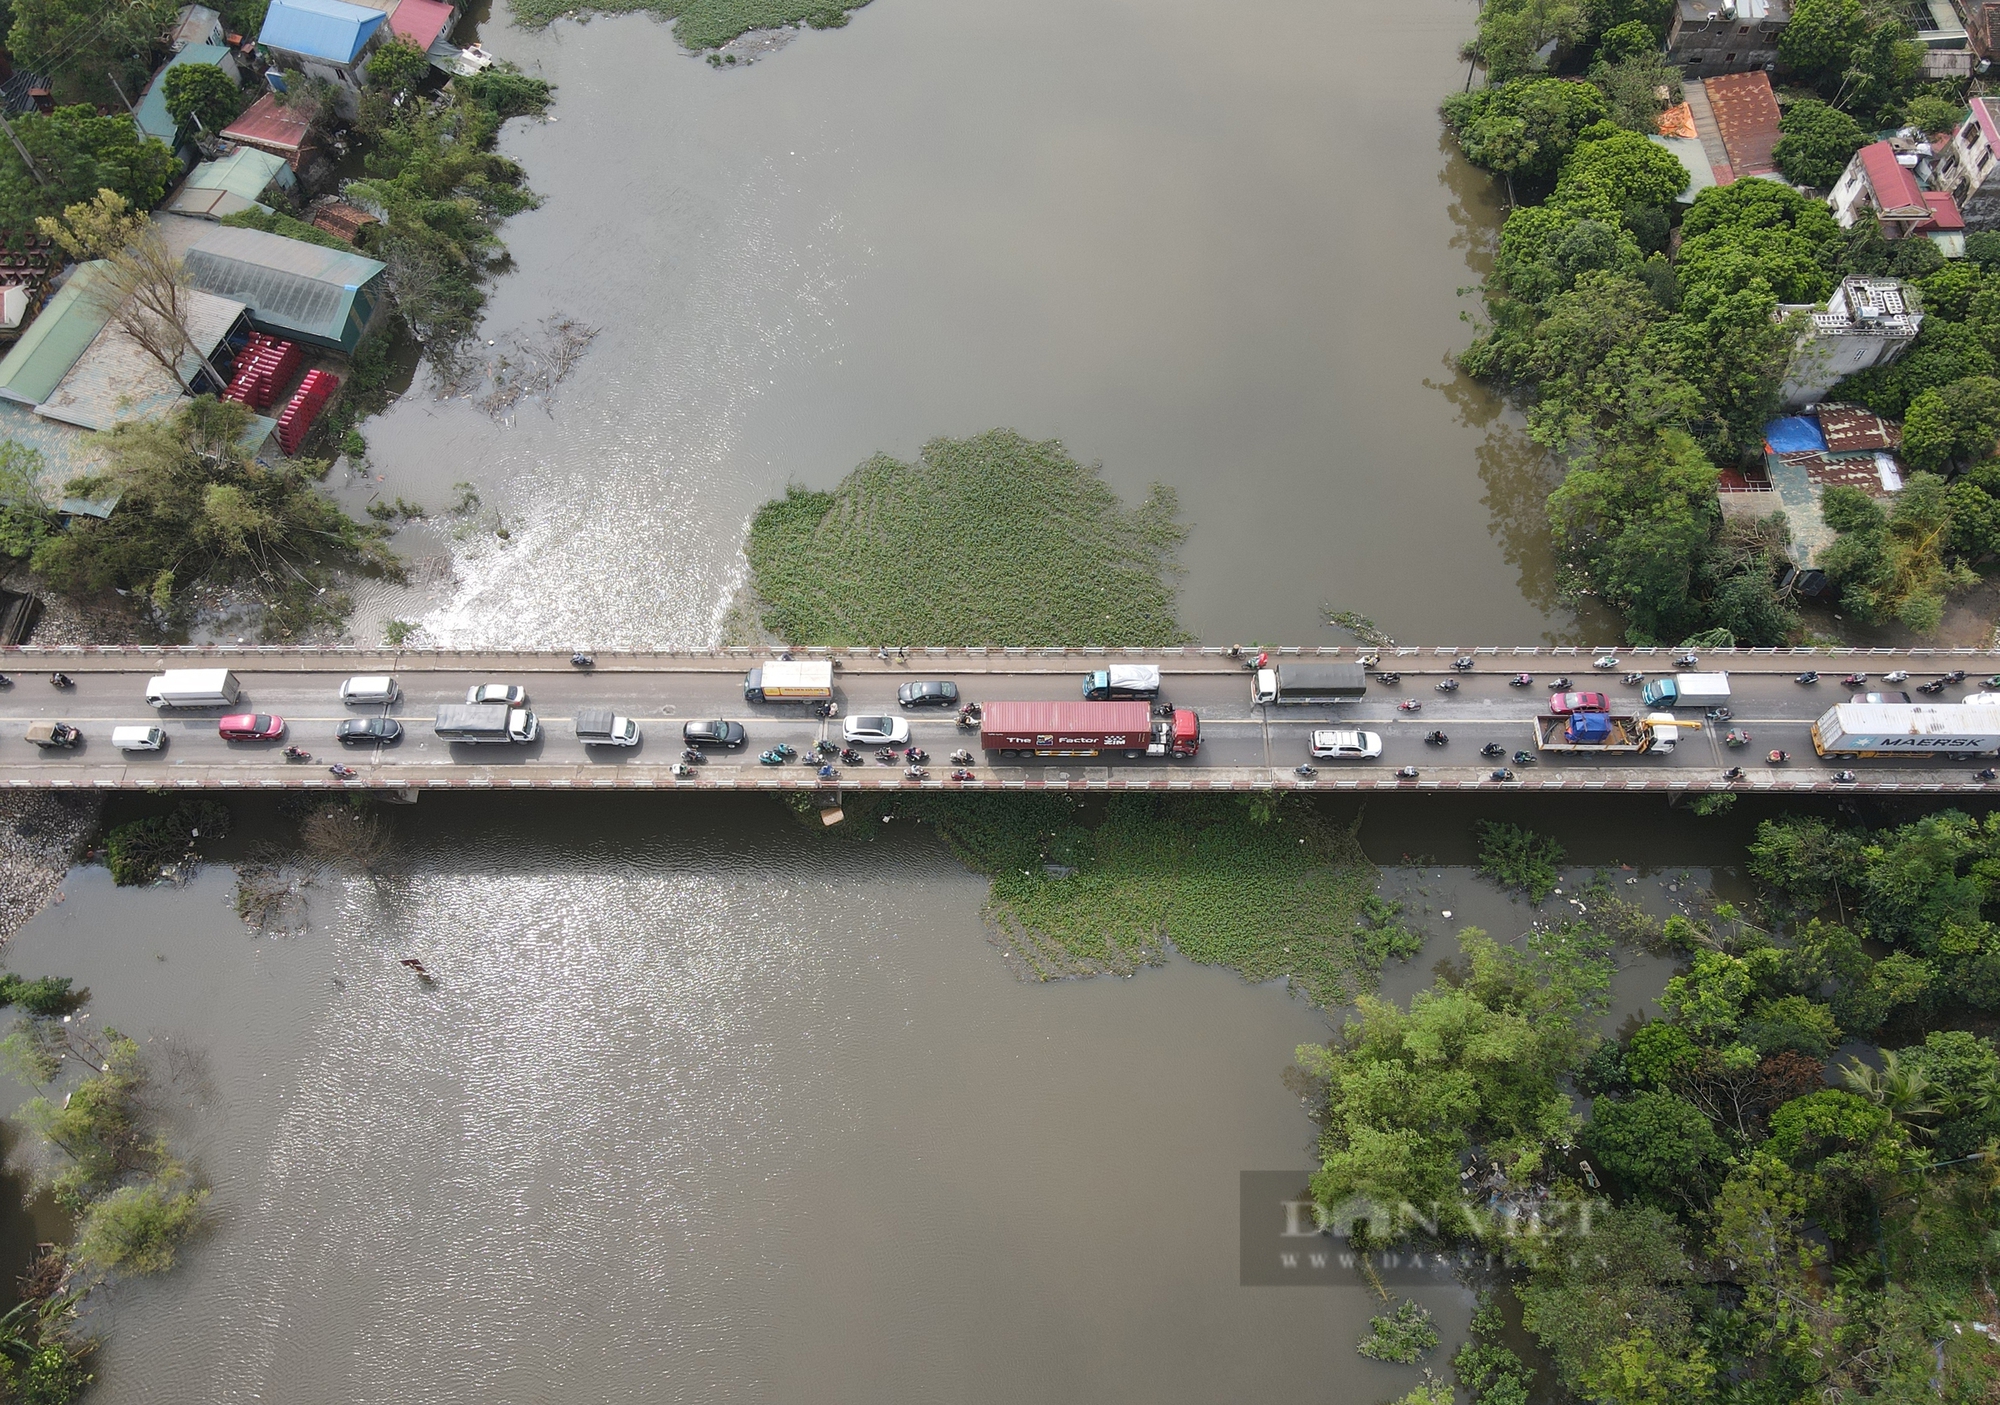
(933, 693)
(362, 731)
(714, 732)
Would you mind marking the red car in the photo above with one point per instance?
(251, 727)
(1560, 703)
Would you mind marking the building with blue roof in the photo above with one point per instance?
(327, 39)
(152, 115)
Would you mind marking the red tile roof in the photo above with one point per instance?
(1944, 213)
(1894, 188)
(422, 22)
(1746, 113)
(1850, 429)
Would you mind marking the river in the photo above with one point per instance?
(1220, 248)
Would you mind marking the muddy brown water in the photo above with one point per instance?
(1222, 249)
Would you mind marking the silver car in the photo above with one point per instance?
(508, 693)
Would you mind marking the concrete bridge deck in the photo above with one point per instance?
(1244, 747)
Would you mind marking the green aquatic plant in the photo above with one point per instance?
(1400, 1336)
(1519, 858)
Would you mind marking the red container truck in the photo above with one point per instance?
(1016, 729)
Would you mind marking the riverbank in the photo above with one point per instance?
(699, 24)
(42, 835)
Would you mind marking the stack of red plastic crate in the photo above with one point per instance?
(262, 369)
(314, 391)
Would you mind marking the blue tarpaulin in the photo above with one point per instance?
(1795, 434)
(1589, 727)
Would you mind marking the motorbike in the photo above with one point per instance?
(681, 770)
(828, 773)
(1524, 758)
(961, 758)
(1957, 675)
(1462, 662)
(1633, 680)
(1734, 773)
(1719, 714)
(1854, 680)
(916, 773)
(1807, 677)
(1409, 705)
(1901, 675)
(1604, 663)
(346, 773)
(851, 756)
(1561, 684)
(961, 774)
(773, 757)
(1436, 739)
(1308, 770)
(824, 710)
(297, 753)
(62, 680)
(1389, 679)
(1521, 680)
(1687, 661)
(784, 751)
(581, 660)
(1448, 685)
(1501, 776)
(1844, 778)
(1989, 774)
(1994, 681)
(1493, 749)
(916, 755)
(1777, 758)
(1735, 736)
(1406, 773)
(1932, 688)
(967, 723)
(1163, 708)
(693, 757)
(888, 756)
(826, 748)
(5, 681)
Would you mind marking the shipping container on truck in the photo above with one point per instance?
(1687, 690)
(1310, 683)
(1903, 729)
(1132, 680)
(1605, 733)
(783, 680)
(1019, 729)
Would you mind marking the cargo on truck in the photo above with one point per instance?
(1310, 683)
(600, 726)
(486, 722)
(785, 680)
(1017, 729)
(1687, 690)
(1605, 733)
(1132, 680)
(193, 687)
(1903, 729)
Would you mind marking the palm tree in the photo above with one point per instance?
(1907, 1093)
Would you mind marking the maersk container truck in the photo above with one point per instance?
(1016, 729)
(1900, 729)
(1310, 683)
(1687, 690)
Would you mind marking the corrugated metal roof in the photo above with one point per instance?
(422, 22)
(268, 124)
(323, 29)
(245, 171)
(153, 118)
(1746, 114)
(35, 366)
(116, 380)
(1895, 189)
(286, 282)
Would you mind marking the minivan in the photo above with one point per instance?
(138, 738)
(375, 689)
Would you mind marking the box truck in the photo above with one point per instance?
(1019, 729)
(1901, 729)
(781, 680)
(486, 722)
(600, 726)
(193, 687)
(1132, 680)
(1310, 683)
(1687, 690)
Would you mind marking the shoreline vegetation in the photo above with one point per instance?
(1782, 1191)
(699, 25)
(1645, 339)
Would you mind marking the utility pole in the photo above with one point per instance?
(29, 161)
(121, 94)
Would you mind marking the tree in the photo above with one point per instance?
(78, 154)
(398, 67)
(1820, 36)
(1525, 127)
(1975, 511)
(1942, 353)
(1611, 169)
(74, 42)
(1628, 40)
(1513, 33)
(25, 519)
(1660, 1146)
(1880, 72)
(203, 94)
(1956, 424)
(1639, 87)
(1817, 143)
(1929, 113)
(1633, 524)
(94, 229)
(1892, 566)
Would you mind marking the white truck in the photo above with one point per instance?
(193, 687)
(1603, 734)
(1130, 680)
(1900, 729)
(479, 723)
(786, 680)
(1687, 690)
(600, 726)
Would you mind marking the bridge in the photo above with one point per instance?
(1244, 747)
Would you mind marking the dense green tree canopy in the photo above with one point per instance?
(1817, 143)
(203, 94)
(1525, 127)
(79, 153)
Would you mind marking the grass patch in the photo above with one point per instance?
(991, 540)
(702, 24)
(1273, 891)
(1519, 858)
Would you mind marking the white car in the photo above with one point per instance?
(507, 693)
(1345, 746)
(876, 730)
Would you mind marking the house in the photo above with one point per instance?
(1969, 167)
(1878, 181)
(1735, 117)
(340, 219)
(327, 39)
(1804, 455)
(232, 183)
(423, 22)
(296, 290)
(152, 115)
(1710, 37)
(197, 24)
(1868, 322)
(116, 380)
(269, 127)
